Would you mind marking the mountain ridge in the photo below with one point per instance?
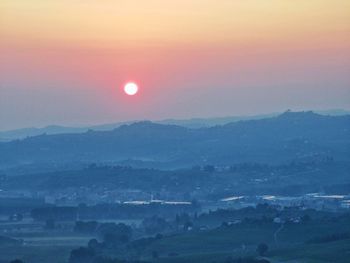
(288, 136)
(193, 123)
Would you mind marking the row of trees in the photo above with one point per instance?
(88, 255)
(110, 234)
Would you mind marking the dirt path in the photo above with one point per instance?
(277, 231)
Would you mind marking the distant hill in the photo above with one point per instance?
(196, 123)
(188, 123)
(289, 136)
(54, 129)
(193, 123)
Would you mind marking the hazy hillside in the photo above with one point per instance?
(188, 123)
(193, 123)
(272, 140)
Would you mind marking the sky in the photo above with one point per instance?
(65, 62)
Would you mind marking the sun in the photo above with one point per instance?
(131, 88)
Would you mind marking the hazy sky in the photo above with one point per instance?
(64, 62)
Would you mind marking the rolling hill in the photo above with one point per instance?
(289, 136)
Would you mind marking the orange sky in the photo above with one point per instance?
(240, 56)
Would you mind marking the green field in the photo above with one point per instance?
(241, 241)
(208, 246)
(53, 249)
(336, 252)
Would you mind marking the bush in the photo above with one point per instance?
(329, 238)
(85, 227)
(262, 249)
(114, 234)
(82, 255)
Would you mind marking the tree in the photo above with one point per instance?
(85, 227)
(209, 168)
(106, 260)
(158, 236)
(82, 255)
(93, 244)
(155, 224)
(155, 255)
(262, 249)
(196, 205)
(305, 218)
(50, 224)
(225, 224)
(114, 234)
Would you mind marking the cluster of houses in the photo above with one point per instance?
(313, 200)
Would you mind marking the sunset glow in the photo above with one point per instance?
(123, 123)
(241, 57)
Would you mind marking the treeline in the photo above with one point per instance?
(263, 213)
(112, 211)
(243, 260)
(83, 255)
(329, 238)
(208, 178)
(304, 134)
(110, 236)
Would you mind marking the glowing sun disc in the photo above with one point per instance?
(131, 88)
